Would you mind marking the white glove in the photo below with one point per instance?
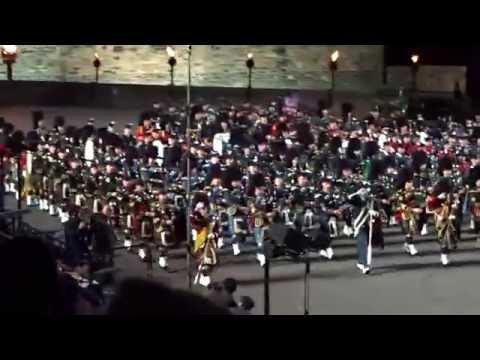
(442, 196)
(373, 213)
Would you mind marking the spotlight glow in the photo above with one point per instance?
(335, 55)
(250, 56)
(9, 49)
(170, 52)
(415, 58)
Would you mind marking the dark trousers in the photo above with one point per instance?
(388, 211)
(422, 220)
(239, 238)
(321, 240)
(458, 222)
(362, 247)
(347, 216)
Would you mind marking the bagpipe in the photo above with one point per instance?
(415, 198)
(444, 217)
(407, 206)
(163, 225)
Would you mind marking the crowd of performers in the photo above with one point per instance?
(254, 170)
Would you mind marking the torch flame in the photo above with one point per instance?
(9, 49)
(415, 58)
(250, 56)
(335, 55)
(170, 52)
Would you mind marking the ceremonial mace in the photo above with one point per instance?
(370, 232)
(189, 183)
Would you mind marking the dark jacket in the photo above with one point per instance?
(76, 243)
(214, 171)
(172, 156)
(256, 180)
(232, 173)
(103, 236)
(473, 175)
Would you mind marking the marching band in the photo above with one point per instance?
(322, 176)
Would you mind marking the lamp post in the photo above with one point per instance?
(250, 63)
(414, 68)
(306, 285)
(172, 61)
(189, 180)
(268, 249)
(96, 64)
(333, 69)
(9, 57)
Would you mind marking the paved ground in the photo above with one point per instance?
(398, 285)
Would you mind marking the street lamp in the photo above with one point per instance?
(172, 61)
(9, 56)
(414, 68)
(250, 65)
(96, 64)
(333, 69)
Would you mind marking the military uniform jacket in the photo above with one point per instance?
(303, 195)
(328, 202)
(359, 209)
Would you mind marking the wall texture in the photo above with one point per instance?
(429, 78)
(277, 66)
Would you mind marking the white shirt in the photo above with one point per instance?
(89, 150)
(160, 148)
(219, 140)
